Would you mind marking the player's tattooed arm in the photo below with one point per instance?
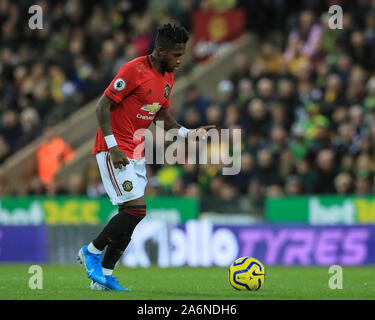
(103, 115)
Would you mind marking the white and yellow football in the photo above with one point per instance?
(246, 273)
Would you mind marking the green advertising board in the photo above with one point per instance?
(322, 209)
(83, 210)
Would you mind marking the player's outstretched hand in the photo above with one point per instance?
(200, 132)
(118, 157)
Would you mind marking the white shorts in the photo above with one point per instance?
(125, 184)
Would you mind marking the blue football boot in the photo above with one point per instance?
(93, 265)
(113, 284)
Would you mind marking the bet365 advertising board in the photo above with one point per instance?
(322, 210)
(86, 211)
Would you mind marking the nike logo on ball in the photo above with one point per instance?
(257, 274)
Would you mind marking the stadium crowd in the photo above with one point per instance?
(47, 74)
(305, 104)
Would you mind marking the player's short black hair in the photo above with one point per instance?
(169, 35)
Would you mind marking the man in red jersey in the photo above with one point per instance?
(139, 94)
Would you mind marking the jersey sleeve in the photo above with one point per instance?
(125, 81)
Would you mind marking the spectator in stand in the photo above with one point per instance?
(245, 93)
(361, 52)
(258, 117)
(228, 192)
(333, 96)
(369, 99)
(326, 172)
(36, 187)
(31, 126)
(346, 142)
(266, 168)
(305, 101)
(363, 186)
(287, 97)
(278, 140)
(369, 29)
(193, 190)
(364, 167)
(52, 153)
(56, 188)
(298, 143)
(303, 41)
(76, 185)
(293, 186)
(59, 72)
(254, 142)
(247, 173)
(216, 184)
(272, 58)
(257, 70)
(214, 115)
(11, 129)
(340, 115)
(356, 118)
(183, 11)
(307, 176)
(195, 99)
(274, 191)
(192, 118)
(232, 116)
(240, 68)
(286, 166)
(317, 130)
(190, 173)
(265, 89)
(344, 184)
(225, 93)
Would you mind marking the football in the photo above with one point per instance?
(246, 273)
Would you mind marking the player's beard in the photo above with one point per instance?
(165, 67)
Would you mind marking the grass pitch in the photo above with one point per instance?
(71, 283)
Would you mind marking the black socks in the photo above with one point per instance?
(116, 235)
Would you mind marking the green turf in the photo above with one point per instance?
(70, 282)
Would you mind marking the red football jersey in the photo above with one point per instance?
(139, 92)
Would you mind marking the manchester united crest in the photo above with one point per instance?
(127, 185)
(167, 88)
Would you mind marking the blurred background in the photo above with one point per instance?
(302, 94)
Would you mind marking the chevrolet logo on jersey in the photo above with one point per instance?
(152, 108)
